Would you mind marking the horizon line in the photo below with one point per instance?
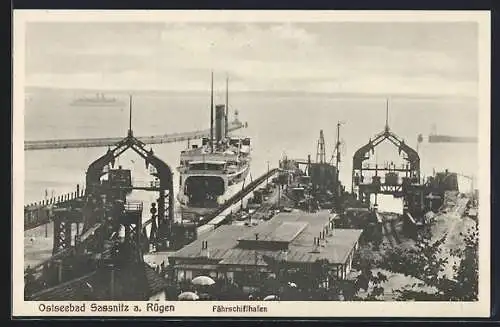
(287, 92)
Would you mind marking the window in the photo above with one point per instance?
(189, 274)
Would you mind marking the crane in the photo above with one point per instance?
(336, 152)
(320, 152)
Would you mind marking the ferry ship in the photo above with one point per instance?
(211, 173)
(99, 100)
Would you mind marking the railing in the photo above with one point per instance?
(39, 213)
(138, 183)
(240, 195)
(134, 206)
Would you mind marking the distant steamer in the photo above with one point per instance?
(99, 100)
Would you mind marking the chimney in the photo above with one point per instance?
(315, 248)
(204, 249)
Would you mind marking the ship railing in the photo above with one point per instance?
(146, 183)
(206, 172)
(134, 206)
(208, 157)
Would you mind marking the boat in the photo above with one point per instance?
(99, 100)
(214, 171)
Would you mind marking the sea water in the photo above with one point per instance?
(277, 125)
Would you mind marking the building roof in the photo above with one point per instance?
(298, 229)
(285, 231)
(96, 286)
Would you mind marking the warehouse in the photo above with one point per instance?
(242, 254)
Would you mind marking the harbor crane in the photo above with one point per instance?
(336, 152)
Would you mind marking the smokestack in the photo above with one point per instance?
(204, 249)
(226, 125)
(219, 122)
(212, 114)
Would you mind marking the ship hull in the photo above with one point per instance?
(233, 183)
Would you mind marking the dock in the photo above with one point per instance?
(110, 141)
(39, 213)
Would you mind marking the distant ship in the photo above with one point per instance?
(212, 173)
(99, 100)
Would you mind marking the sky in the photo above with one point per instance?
(427, 58)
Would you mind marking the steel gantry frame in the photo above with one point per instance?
(396, 188)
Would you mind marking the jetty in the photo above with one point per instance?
(111, 141)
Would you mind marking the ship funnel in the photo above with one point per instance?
(220, 115)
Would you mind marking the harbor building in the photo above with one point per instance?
(246, 254)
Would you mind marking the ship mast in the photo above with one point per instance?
(130, 133)
(226, 126)
(337, 147)
(212, 114)
(386, 115)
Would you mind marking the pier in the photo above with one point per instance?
(39, 213)
(110, 141)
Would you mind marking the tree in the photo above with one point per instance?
(427, 262)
